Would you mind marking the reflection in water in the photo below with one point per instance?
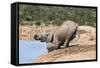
(30, 50)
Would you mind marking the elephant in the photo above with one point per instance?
(60, 37)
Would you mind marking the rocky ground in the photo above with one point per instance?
(83, 47)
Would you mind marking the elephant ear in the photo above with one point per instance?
(50, 37)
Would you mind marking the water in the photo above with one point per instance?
(30, 50)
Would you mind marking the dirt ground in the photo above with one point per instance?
(83, 47)
(28, 32)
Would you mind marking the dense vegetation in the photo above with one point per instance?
(56, 15)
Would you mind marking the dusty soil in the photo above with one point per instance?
(69, 54)
(83, 47)
(28, 32)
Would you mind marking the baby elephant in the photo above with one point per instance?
(60, 37)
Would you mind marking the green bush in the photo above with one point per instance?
(56, 14)
(38, 23)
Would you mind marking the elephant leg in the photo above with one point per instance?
(74, 35)
(52, 46)
(71, 37)
(49, 47)
(65, 44)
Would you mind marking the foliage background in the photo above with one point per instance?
(38, 14)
